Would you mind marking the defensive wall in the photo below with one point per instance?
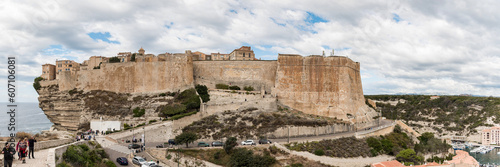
(327, 86)
(258, 74)
(173, 74)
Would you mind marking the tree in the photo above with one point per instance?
(230, 144)
(203, 92)
(374, 143)
(186, 138)
(409, 155)
(114, 60)
(36, 84)
(425, 137)
(133, 57)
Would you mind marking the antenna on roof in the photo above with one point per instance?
(323, 52)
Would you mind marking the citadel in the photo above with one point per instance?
(320, 85)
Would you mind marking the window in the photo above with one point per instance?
(66, 62)
(70, 65)
(123, 59)
(60, 70)
(243, 54)
(67, 69)
(60, 65)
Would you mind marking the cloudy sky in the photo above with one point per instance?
(423, 47)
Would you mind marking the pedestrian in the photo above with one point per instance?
(17, 149)
(8, 155)
(23, 146)
(31, 143)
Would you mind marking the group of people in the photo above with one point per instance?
(24, 146)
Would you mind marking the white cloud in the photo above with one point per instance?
(446, 47)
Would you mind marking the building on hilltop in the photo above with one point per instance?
(96, 61)
(243, 53)
(66, 65)
(48, 72)
(219, 56)
(490, 136)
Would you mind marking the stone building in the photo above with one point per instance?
(219, 56)
(48, 72)
(200, 56)
(490, 136)
(66, 65)
(243, 53)
(95, 61)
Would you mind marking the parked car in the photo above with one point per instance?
(127, 141)
(265, 141)
(171, 141)
(134, 146)
(203, 144)
(217, 143)
(248, 142)
(160, 146)
(122, 160)
(149, 164)
(138, 160)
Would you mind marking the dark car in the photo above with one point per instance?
(160, 146)
(134, 146)
(122, 160)
(217, 143)
(265, 141)
(171, 141)
(203, 144)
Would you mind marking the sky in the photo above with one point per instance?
(404, 47)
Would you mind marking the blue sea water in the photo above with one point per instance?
(489, 158)
(29, 118)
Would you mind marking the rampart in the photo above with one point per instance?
(176, 73)
(327, 86)
(241, 73)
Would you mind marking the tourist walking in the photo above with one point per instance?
(23, 146)
(31, 143)
(8, 155)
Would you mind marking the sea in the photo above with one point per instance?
(491, 158)
(29, 118)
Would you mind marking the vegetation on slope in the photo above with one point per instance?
(460, 114)
(84, 156)
(249, 123)
(397, 144)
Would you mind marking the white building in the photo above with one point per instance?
(490, 136)
(104, 126)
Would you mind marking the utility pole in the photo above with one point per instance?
(288, 133)
(144, 140)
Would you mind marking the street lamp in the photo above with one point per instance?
(144, 137)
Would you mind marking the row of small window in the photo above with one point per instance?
(67, 69)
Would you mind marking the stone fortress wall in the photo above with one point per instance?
(327, 86)
(258, 74)
(173, 74)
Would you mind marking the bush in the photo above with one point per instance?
(133, 57)
(221, 86)
(248, 88)
(151, 121)
(172, 110)
(231, 142)
(114, 60)
(163, 94)
(203, 92)
(126, 126)
(36, 83)
(189, 98)
(110, 164)
(139, 112)
(297, 165)
(169, 156)
(244, 157)
(319, 152)
(176, 117)
(234, 87)
(63, 164)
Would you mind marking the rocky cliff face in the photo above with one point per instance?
(74, 109)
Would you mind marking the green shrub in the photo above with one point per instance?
(110, 164)
(114, 60)
(234, 87)
(141, 125)
(248, 88)
(169, 156)
(189, 98)
(176, 117)
(174, 109)
(63, 164)
(244, 157)
(296, 165)
(231, 142)
(319, 152)
(36, 83)
(163, 94)
(138, 112)
(126, 126)
(133, 57)
(221, 86)
(151, 121)
(203, 92)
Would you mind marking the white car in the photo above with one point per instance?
(138, 160)
(248, 142)
(149, 164)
